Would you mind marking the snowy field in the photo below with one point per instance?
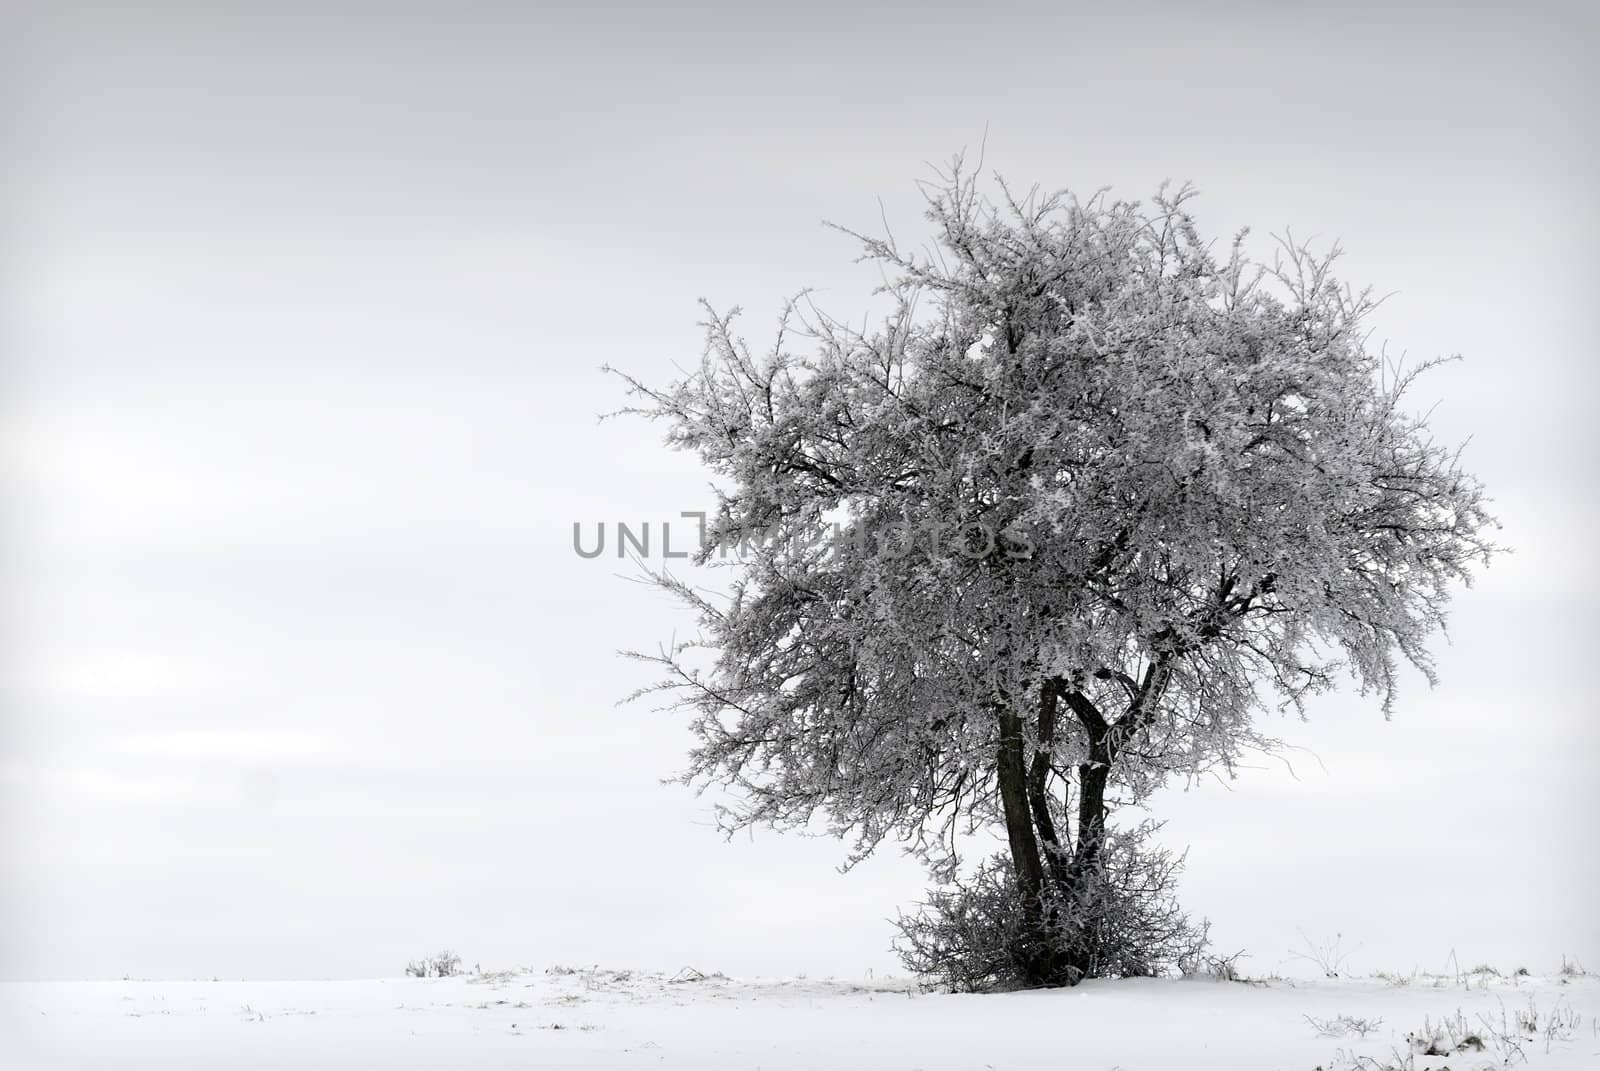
(594, 1018)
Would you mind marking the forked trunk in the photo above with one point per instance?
(1043, 864)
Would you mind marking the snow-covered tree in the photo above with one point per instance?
(1097, 497)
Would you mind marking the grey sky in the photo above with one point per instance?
(303, 323)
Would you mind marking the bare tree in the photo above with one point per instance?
(1097, 496)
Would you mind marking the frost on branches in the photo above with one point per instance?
(1100, 496)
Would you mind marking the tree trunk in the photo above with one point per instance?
(1056, 854)
(1013, 778)
(1093, 776)
(1092, 779)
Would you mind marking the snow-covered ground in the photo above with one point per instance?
(594, 1018)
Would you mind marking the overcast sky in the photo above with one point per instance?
(302, 328)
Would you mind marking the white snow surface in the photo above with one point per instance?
(595, 1018)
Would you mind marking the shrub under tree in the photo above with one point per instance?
(1123, 921)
